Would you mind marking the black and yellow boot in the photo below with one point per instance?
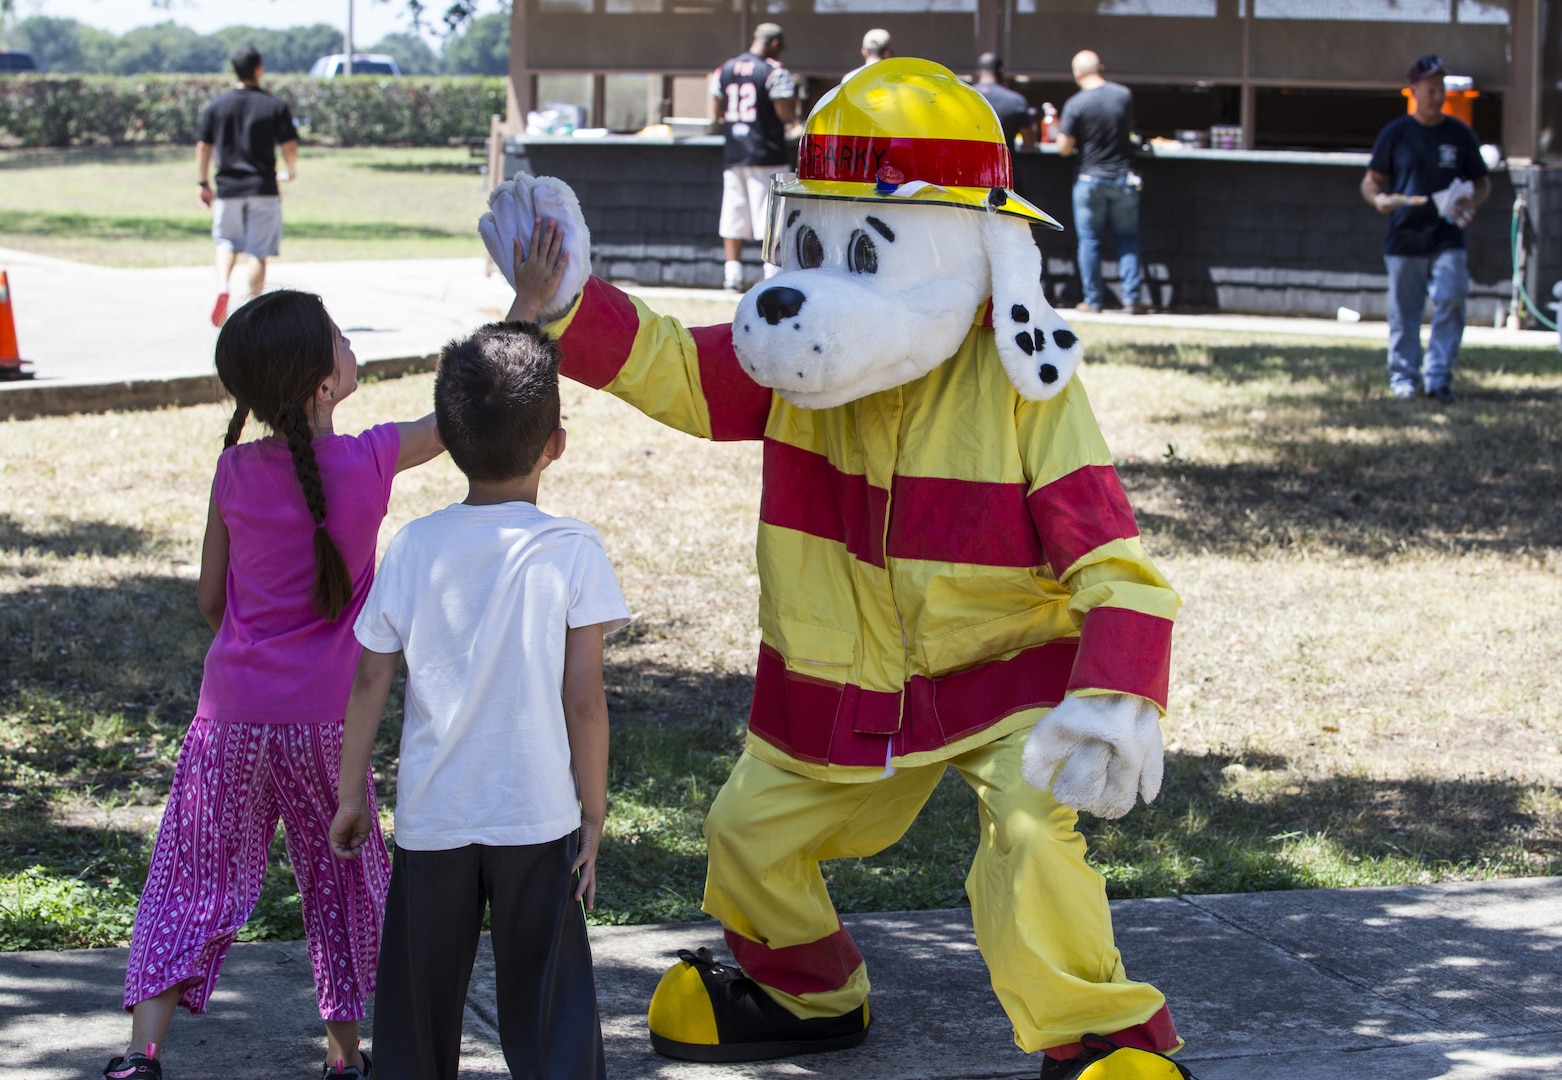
(1103, 1059)
(708, 1011)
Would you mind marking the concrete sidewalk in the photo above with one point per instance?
(103, 338)
(1459, 981)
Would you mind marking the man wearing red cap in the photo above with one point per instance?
(1415, 158)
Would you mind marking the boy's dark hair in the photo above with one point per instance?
(245, 61)
(496, 399)
(272, 355)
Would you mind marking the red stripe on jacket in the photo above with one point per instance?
(1126, 651)
(964, 521)
(600, 335)
(816, 720)
(738, 405)
(803, 491)
(1077, 513)
(815, 967)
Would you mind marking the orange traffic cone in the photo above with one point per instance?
(12, 366)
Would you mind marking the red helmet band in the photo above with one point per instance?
(945, 162)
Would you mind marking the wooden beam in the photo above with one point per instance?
(521, 98)
(989, 27)
(1247, 106)
(1521, 102)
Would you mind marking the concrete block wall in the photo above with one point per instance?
(1265, 237)
(1217, 233)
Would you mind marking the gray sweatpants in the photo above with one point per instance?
(547, 998)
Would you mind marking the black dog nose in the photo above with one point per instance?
(779, 303)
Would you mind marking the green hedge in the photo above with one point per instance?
(77, 110)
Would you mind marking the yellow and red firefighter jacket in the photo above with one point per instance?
(937, 561)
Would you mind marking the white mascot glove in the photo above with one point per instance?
(514, 207)
(1097, 753)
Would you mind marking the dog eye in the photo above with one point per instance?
(861, 256)
(810, 252)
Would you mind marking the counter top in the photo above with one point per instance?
(1354, 159)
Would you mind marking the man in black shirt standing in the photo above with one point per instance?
(1097, 123)
(1418, 156)
(244, 127)
(754, 99)
(1014, 112)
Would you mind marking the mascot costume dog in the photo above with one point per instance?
(950, 576)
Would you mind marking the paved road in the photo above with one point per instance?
(91, 323)
(87, 324)
(1455, 982)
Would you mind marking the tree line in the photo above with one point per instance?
(480, 47)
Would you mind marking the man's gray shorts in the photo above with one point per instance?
(249, 224)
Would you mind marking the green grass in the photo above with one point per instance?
(138, 206)
(1365, 673)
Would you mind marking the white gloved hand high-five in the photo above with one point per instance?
(513, 209)
(1097, 754)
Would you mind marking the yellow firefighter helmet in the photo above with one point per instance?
(907, 129)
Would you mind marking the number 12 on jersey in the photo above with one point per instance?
(741, 103)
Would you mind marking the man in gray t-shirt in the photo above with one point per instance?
(1096, 123)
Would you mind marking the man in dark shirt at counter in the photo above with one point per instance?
(1097, 122)
(1014, 112)
(1415, 157)
(244, 127)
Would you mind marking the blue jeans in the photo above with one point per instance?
(1097, 203)
(1408, 277)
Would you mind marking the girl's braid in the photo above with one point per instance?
(333, 585)
(236, 425)
(300, 441)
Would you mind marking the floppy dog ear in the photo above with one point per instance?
(1037, 348)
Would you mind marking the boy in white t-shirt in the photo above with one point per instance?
(501, 610)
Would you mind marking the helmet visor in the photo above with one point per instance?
(775, 219)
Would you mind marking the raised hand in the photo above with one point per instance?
(515, 208)
(537, 277)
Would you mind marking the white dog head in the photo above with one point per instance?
(874, 294)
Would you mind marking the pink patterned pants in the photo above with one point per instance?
(233, 783)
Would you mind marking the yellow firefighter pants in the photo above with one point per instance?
(1039, 910)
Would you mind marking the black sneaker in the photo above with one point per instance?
(349, 1070)
(704, 1010)
(1443, 395)
(134, 1067)
(1091, 1063)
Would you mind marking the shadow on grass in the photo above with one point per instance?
(1205, 834)
(97, 684)
(93, 538)
(1361, 365)
(109, 226)
(92, 155)
(1335, 462)
(447, 167)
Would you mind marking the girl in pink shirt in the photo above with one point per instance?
(285, 566)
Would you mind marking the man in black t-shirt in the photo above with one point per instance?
(1097, 123)
(754, 99)
(244, 127)
(1014, 112)
(1415, 158)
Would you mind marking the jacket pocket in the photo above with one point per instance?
(809, 645)
(970, 645)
